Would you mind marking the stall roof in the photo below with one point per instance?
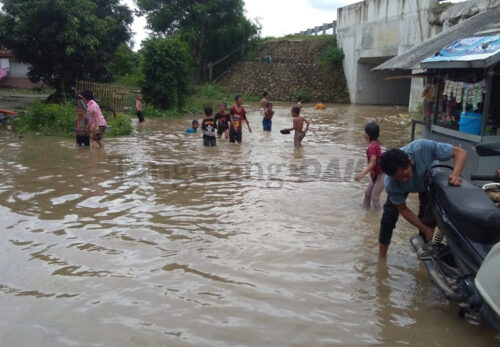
(484, 23)
(472, 52)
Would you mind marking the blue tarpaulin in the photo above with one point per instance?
(476, 51)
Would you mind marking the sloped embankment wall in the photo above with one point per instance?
(298, 68)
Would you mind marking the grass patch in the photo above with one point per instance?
(121, 125)
(59, 120)
(43, 90)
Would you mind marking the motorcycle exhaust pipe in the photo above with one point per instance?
(435, 276)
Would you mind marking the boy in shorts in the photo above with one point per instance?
(263, 103)
(237, 116)
(138, 106)
(298, 127)
(208, 126)
(267, 122)
(222, 120)
(81, 128)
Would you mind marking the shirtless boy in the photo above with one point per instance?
(263, 103)
(267, 122)
(298, 126)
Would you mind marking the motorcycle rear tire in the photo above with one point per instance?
(490, 317)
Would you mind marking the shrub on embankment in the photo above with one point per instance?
(309, 67)
(59, 120)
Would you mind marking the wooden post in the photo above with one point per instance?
(487, 99)
(436, 100)
(210, 75)
(324, 29)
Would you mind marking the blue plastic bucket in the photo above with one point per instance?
(471, 123)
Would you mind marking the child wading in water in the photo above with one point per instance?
(138, 106)
(237, 116)
(263, 103)
(208, 126)
(298, 127)
(81, 128)
(267, 122)
(222, 120)
(373, 154)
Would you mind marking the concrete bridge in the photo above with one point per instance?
(373, 31)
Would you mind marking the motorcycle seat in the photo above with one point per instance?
(469, 207)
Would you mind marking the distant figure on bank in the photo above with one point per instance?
(263, 103)
(222, 121)
(81, 128)
(373, 154)
(194, 127)
(97, 122)
(237, 117)
(267, 122)
(298, 127)
(299, 103)
(138, 106)
(208, 126)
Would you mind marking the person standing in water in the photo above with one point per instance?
(222, 120)
(263, 103)
(373, 154)
(97, 122)
(138, 106)
(267, 122)
(237, 117)
(298, 127)
(208, 125)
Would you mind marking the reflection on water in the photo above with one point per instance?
(159, 241)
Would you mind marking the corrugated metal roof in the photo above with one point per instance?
(485, 23)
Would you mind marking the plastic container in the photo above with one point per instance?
(471, 123)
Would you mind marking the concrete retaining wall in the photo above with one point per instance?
(373, 31)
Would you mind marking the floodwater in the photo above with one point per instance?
(158, 241)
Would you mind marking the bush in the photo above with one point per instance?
(166, 72)
(120, 126)
(47, 119)
(334, 54)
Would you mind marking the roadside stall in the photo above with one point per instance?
(466, 85)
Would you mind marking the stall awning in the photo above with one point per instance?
(471, 52)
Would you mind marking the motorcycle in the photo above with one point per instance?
(463, 258)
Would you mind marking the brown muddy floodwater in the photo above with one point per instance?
(158, 241)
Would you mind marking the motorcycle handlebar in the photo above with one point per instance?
(493, 178)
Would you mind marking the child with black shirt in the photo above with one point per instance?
(222, 120)
(208, 126)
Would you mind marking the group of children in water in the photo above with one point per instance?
(231, 123)
(90, 123)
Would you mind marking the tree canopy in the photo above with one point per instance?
(212, 28)
(65, 40)
(166, 72)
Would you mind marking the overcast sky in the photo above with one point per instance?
(277, 17)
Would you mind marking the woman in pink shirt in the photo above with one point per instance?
(97, 122)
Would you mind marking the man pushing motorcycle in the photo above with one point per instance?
(405, 170)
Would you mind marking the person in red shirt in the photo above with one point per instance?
(237, 116)
(373, 154)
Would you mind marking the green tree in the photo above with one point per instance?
(201, 23)
(166, 72)
(65, 40)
